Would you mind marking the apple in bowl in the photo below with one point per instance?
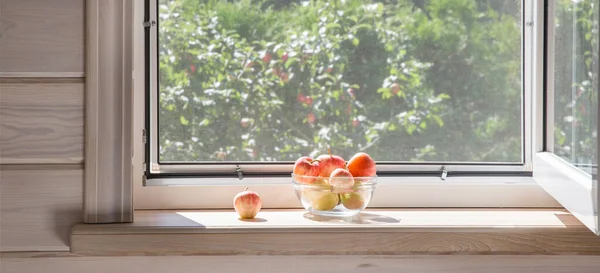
(329, 186)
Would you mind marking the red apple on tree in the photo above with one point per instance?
(308, 100)
(247, 204)
(311, 118)
(395, 88)
(267, 57)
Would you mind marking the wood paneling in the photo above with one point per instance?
(41, 123)
(375, 232)
(301, 264)
(42, 35)
(39, 207)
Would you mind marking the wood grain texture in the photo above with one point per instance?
(41, 123)
(38, 208)
(42, 75)
(108, 113)
(42, 36)
(377, 232)
(302, 264)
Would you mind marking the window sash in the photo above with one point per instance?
(155, 169)
(573, 188)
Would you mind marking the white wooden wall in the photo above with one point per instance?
(41, 122)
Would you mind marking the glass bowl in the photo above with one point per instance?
(337, 197)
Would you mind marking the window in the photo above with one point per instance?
(575, 83)
(568, 167)
(261, 81)
(500, 94)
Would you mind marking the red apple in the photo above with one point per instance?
(267, 57)
(308, 100)
(284, 77)
(311, 118)
(247, 204)
(306, 166)
(329, 163)
(284, 57)
(395, 88)
(341, 179)
(301, 98)
(362, 165)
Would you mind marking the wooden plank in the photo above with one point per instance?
(41, 123)
(375, 232)
(46, 80)
(42, 74)
(38, 208)
(108, 113)
(301, 264)
(42, 36)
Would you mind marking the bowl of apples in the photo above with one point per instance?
(330, 186)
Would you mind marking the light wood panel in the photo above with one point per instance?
(379, 232)
(108, 113)
(41, 123)
(301, 264)
(39, 207)
(42, 35)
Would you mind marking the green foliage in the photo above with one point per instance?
(266, 80)
(576, 81)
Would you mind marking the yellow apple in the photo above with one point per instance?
(352, 200)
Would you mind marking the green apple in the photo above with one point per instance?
(323, 200)
(352, 200)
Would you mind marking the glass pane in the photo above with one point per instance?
(576, 82)
(403, 80)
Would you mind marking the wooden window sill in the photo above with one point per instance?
(373, 232)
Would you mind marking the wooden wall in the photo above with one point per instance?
(300, 264)
(41, 122)
(41, 167)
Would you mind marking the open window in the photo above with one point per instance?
(567, 165)
(471, 102)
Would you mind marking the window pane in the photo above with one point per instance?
(576, 81)
(403, 80)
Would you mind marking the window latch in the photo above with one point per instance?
(149, 23)
(444, 173)
(238, 170)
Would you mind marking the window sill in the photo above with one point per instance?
(374, 232)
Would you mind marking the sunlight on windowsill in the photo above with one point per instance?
(412, 218)
(373, 232)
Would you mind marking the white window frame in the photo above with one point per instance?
(553, 179)
(401, 191)
(575, 189)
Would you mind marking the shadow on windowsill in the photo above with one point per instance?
(362, 218)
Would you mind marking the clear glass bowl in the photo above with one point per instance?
(338, 197)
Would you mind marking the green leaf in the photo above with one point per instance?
(183, 120)
(355, 41)
(290, 62)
